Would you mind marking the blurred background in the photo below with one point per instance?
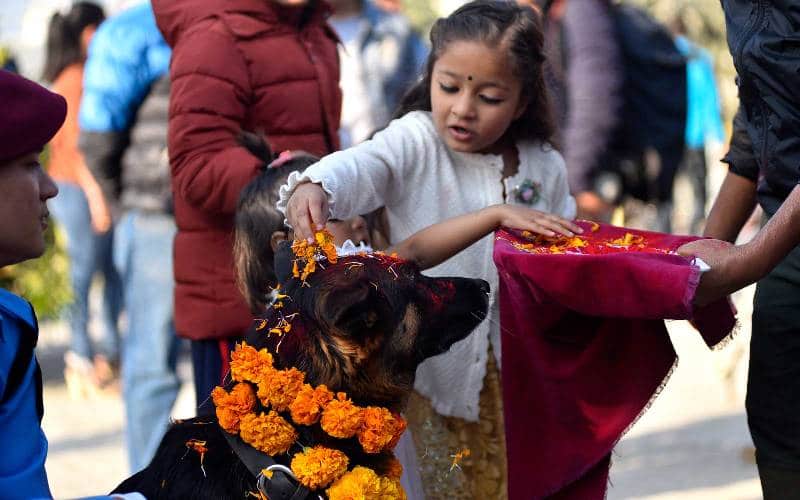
(692, 443)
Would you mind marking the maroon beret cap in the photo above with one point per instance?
(30, 115)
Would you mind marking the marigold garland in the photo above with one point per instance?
(395, 469)
(341, 418)
(231, 407)
(318, 467)
(280, 388)
(379, 429)
(307, 407)
(269, 433)
(361, 482)
(249, 365)
(391, 489)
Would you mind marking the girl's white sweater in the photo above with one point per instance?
(409, 170)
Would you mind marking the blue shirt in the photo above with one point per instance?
(127, 54)
(23, 443)
(703, 120)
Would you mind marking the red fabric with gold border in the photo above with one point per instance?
(585, 349)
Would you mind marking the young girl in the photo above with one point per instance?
(81, 209)
(472, 133)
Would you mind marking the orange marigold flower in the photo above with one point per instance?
(322, 246)
(281, 388)
(379, 428)
(319, 466)
(231, 407)
(249, 365)
(269, 433)
(325, 242)
(295, 270)
(628, 240)
(308, 405)
(394, 469)
(391, 489)
(359, 483)
(400, 428)
(341, 417)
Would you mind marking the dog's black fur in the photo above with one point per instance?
(364, 325)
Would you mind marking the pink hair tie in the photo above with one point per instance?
(282, 158)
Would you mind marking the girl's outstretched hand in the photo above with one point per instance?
(307, 210)
(535, 221)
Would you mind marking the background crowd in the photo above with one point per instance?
(150, 162)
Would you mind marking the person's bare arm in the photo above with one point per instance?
(734, 267)
(732, 208)
(437, 243)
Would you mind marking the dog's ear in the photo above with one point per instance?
(283, 261)
(349, 309)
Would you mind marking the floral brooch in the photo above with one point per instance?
(528, 192)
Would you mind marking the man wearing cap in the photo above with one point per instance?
(31, 116)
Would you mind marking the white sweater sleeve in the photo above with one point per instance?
(372, 174)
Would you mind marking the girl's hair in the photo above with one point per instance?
(503, 24)
(64, 37)
(256, 219)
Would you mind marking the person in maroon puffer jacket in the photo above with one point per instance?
(265, 66)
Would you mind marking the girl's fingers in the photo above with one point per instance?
(534, 227)
(303, 228)
(318, 214)
(564, 224)
(555, 226)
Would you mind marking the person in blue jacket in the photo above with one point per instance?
(123, 137)
(31, 116)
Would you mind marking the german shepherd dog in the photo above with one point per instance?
(364, 324)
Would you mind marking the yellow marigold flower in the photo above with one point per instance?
(231, 407)
(395, 469)
(391, 489)
(325, 242)
(249, 365)
(309, 403)
(281, 388)
(269, 433)
(322, 246)
(341, 417)
(319, 466)
(379, 429)
(360, 483)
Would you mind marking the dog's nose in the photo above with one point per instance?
(484, 286)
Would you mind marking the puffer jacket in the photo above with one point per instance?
(237, 65)
(764, 41)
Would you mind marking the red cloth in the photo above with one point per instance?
(584, 352)
(236, 65)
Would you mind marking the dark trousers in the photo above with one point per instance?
(210, 365)
(773, 386)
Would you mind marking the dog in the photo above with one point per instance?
(363, 325)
